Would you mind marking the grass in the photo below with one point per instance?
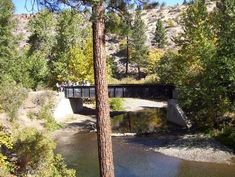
(116, 104)
(130, 80)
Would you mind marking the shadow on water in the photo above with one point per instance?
(132, 157)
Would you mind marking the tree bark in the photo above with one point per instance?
(102, 107)
(138, 67)
(127, 54)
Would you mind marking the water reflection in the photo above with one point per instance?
(133, 159)
(148, 120)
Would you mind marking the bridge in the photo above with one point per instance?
(143, 91)
(175, 114)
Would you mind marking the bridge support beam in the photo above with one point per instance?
(76, 104)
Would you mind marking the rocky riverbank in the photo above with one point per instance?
(194, 147)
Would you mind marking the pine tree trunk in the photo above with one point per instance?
(138, 67)
(102, 107)
(127, 54)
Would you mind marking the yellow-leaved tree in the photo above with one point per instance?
(154, 56)
(81, 63)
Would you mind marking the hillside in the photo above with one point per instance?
(170, 16)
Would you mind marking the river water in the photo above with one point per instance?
(132, 157)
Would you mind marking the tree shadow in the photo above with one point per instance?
(92, 112)
(87, 111)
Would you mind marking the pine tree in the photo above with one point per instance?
(7, 39)
(160, 34)
(185, 2)
(102, 114)
(122, 27)
(70, 35)
(7, 26)
(126, 32)
(42, 27)
(139, 55)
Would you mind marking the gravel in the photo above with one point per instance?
(195, 148)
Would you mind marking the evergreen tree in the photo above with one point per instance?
(70, 34)
(8, 41)
(126, 32)
(121, 25)
(42, 28)
(139, 55)
(102, 113)
(42, 38)
(7, 26)
(185, 2)
(160, 34)
(113, 23)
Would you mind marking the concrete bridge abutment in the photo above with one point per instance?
(176, 115)
(76, 104)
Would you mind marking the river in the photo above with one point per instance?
(132, 155)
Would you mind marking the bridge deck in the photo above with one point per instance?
(145, 91)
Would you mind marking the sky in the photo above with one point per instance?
(20, 5)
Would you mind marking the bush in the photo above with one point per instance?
(12, 96)
(170, 23)
(226, 136)
(45, 113)
(126, 80)
(150, 79)
(36, 156)
(170, 69)
(45, 101)
(5, 142)
(116, 104)
(154, 58)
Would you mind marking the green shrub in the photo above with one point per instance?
(12, 96)
(170, 23)
(226, 136)
(45, 101)
(116, 104)
(45, 113)
(36, 157)
(151, 79)
(32, 115)
(126, 80)
(5, 142)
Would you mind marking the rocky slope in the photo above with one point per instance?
(171, 17)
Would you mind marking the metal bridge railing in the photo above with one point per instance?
(148, 91)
